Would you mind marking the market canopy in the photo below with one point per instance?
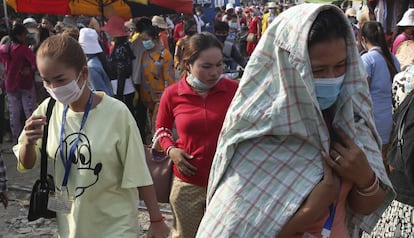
(123, 8)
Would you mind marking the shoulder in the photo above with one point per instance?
(230, 84)
(369, 57)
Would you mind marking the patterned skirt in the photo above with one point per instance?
(396, 222)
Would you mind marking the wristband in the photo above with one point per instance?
(167, 153)
(158, 220)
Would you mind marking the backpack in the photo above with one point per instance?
(401, 152)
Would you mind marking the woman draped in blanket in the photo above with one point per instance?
(298, 154)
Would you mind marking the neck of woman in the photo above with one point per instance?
(80, 104)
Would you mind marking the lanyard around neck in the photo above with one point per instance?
(68, 162)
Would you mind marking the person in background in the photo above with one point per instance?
(162, 27)
(199, 12)
(120, 62)
(199, 22)
(269, 16)
(109, 163)
(190, 29)
(47, 23)
(179, 28)
(229, 10)
(72, 31)
(32, 28)
(157, 73)
(219, 14)
(405, 29)
(197, 105)
(298, 154)
(231, 53)
(20, 64)
(138, 49)
(381, 66)
(232, 23)
(41, 94)
(98, 78)
(4, 195)
(254, 28)
(350, 13)
(396, 221)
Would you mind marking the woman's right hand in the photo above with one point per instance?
(179, 157)
(33, 129)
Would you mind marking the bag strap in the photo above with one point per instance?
(401, 121)
(43, 162)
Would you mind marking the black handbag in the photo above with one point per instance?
(45, 185)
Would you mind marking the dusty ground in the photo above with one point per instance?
(13, 220)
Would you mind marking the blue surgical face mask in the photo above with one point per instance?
(197, 83)
(327, 90)
(233, 25)
(148, 44)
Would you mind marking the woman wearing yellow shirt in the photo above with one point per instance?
(158, 71)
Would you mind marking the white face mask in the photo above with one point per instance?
(68, 93)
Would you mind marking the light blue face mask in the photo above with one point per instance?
(327, 90)
(148, 44)
(233, 25)
(197, 83)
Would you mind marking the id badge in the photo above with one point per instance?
(60, 204)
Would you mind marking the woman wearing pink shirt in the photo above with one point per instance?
(20, 64)
(405, 29)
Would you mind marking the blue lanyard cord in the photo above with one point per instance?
(327, 227)
(68, 162)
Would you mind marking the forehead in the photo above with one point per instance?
(327, 52)
(210, 56)
(50, 68)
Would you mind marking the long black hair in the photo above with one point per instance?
(373, 32)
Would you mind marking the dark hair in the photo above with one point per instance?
(328, 25)
(188, 25)
(42, 35)
(221, 26)
(198, 43)
(17, 30)
(64, 49)
(373, 32)
(142, 23)
(152, 31)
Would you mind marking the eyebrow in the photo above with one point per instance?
(56, 77)
(322, 65)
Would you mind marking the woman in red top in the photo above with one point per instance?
(197, 104)
(255, 28)
(20, 64)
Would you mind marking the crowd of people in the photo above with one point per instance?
(296, 147)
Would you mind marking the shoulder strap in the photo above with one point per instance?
(43, 162)
(401, 117)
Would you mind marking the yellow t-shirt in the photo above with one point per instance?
(109, 166)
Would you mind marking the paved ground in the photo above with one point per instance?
(13, 220)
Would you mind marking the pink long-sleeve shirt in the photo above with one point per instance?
(20, 64)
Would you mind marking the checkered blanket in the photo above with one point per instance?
(268, 157)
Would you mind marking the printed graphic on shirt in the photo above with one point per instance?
(85, 171)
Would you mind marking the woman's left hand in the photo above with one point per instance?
(158, 230)
(349, 161)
